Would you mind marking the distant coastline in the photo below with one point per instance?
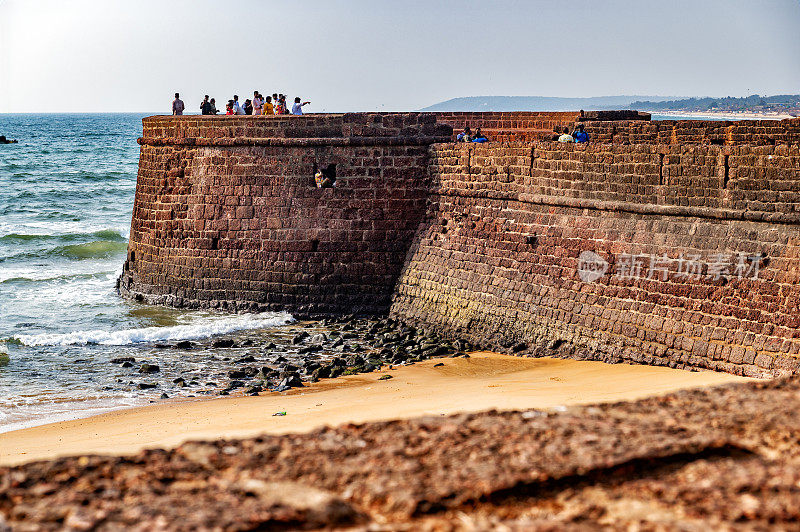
(722, 115)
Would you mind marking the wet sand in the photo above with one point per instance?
(484, 381)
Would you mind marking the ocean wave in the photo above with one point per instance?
(202, 328)
(97, 249)
(110, 235)
(4, 358)
(47, 278)
(92, 250)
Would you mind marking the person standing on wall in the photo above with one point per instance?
(268, 109)
(297, 108)
(205, 107)
(237, 108)
(177, 105)
(258, 102)
(280, 106)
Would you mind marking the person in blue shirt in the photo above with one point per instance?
(580, 135)
(479, 136)
(466, 136)
(297, 108)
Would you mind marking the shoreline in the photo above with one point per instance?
(706, 115)
(442, 386)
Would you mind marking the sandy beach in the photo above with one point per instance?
(482, 382)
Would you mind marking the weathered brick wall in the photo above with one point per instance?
(227, 213)
(497, 259)
(750, 132)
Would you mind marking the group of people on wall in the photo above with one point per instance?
(578, 135)
(258, 105)
(276, 105)
(468, 136)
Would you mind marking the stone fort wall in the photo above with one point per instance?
(227, 213)
(497, 260)
(728, 133)
(484, 241)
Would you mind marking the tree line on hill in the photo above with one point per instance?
(782, 103)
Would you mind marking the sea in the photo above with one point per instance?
(66, 197)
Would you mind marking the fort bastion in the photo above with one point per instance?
(660, 242)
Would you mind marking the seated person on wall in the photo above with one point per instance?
(326, 177)
(248, 107)
(268, 109)
(466, 136)
(565, 136)
(479, 136)
(229, 108)
(580, 136)
(213, 107)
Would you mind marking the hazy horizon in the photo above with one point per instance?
(114, 56)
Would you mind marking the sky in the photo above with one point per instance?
(371, 55)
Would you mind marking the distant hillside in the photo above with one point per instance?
(540, 103)
(754, 103)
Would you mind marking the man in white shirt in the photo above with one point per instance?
(258, 103)
(177, 105)
(237, 108)
(566, 137)
(297, 108)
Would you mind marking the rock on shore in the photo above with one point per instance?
(283, 358)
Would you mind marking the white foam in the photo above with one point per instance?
(28, 416)
(203, 327)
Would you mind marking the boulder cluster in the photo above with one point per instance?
(295, 355)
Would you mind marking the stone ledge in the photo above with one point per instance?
(288, 142)
(631, 207)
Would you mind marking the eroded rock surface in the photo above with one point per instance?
(692, 460)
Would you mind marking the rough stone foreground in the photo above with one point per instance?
(697, 459)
